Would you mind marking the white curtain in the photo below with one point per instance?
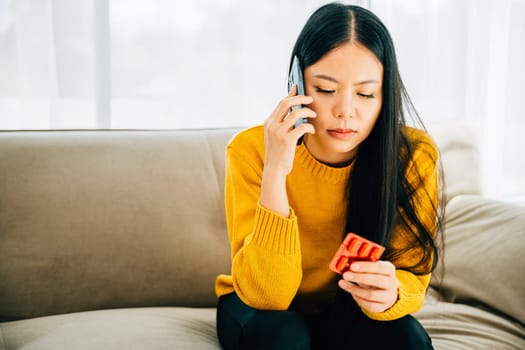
(216, 63)
(466, 60)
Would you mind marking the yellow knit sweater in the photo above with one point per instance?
(276, 259)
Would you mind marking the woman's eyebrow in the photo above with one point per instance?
(334, 80)
(326, 77)
(370, 81)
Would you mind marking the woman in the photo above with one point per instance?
(359, 169)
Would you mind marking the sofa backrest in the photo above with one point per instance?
(460, 152)
(107, 219)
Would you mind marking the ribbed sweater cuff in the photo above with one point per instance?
(275, 232)
(401, 308)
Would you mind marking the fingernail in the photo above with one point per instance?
(355, 267)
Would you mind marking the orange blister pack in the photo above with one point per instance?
(354, 248)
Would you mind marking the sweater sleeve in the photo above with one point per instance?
(422, 173)
(265, 247)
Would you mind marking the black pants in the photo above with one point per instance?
(341, 327)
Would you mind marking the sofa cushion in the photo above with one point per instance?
(105, 219)
(484, 260)
(464, 327)
(139, 328)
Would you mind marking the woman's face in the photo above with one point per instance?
(346, 85)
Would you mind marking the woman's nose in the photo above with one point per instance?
(345, 106)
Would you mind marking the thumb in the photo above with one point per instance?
(293, 90)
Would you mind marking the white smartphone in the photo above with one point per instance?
(296, 77)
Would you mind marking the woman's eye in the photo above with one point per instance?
(365, 95)
(324, 91)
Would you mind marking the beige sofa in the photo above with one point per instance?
(113, 239)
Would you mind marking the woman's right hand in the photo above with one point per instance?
(280, 140)
(280, 136)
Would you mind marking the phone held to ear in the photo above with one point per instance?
(296, 77)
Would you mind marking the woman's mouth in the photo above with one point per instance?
(342, 134)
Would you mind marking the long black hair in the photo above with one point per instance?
(379, 195)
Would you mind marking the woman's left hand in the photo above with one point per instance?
(373, 285)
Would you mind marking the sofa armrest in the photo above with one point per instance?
(484, 260)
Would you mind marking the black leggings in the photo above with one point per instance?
(344, 326)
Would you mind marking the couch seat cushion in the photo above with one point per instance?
(464, 327)
(138, 328)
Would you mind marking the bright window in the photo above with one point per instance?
(216, 63)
